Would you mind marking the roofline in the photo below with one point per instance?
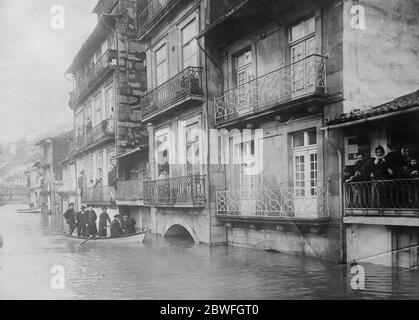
(369, 119)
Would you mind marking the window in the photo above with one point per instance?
(243, 66)
(189, 45)
(302, 45)
(305, 163)
(98, 109)
(245, 154)
(79, 124)
(109, 103)
(192, 148)
(99, 166)
(161, 65)
(162, 154)
(88, 117)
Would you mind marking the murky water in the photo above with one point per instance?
(159, 269)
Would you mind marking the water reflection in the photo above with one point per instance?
(173, 268)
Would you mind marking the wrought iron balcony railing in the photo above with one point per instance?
(284, 202)
(187, 190)
(98, 195)
(150, 12)
(129, 190)
(94, 72)
(382, 197)
(300, 79)
(96, 134)
(184, 85)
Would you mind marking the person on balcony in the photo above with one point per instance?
(70, 218)
(81, 222)
(91, 218)
(378, 169)
(103, 222)
(89, 125)
(116, 230)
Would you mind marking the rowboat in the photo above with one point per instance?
(32, 210)
(130, 238)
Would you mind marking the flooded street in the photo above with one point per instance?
(159, 269)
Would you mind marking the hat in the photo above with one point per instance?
(104, 208)
(83, 206)
(116, 216)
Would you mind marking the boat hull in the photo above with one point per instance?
(131, 238)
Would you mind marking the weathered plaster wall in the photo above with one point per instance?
(381, 62)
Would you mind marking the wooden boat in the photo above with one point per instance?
(130, 238)
(31, 210)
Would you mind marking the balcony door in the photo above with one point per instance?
(302, 47)
(161, 153)
(161, 65)
(305, 164)
(189, 44)
(243, 72)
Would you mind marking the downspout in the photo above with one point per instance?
(342, 241)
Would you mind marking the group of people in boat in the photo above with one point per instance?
(85, 222)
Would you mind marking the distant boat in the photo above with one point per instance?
(130, 238)
(31, 210)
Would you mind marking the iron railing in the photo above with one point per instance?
(129, 190)
(98, 195)
(187, 190)
(184, 84)
(83, 81)
(303, 78)
(382, 197)
(282, 202)
(151, 10)
(96, 134)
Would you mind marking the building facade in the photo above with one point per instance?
(109, 76)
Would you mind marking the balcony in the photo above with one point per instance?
(274, 204)
(129, 190)
(99, 134)
(98, 195)
(95, 72)
(295, 82)
(184, 88)
(392, 198)
(187, 191)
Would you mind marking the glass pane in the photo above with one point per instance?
(189, 32)
(161, 54)
(310, 26)
(298, 140)
(297, 32)
(312, 138)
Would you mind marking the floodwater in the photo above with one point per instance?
(159, 269)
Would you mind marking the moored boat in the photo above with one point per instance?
(130, 238)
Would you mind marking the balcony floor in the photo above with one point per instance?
(388, 221)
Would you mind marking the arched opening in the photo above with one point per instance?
(179, 235)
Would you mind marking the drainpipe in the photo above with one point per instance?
(342, 241)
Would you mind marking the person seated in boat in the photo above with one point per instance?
(128, 225)
(91, 218)
(116, 230)
(70, 218)
(103, 222)
(81, 221)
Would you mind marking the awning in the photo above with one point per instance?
(405, 104)
(126, 154)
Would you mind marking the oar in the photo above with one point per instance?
(84, 241)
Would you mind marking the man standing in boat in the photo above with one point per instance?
(81, 222)
(103, 222)
(70, 218)
(116, 230)
(91, 218)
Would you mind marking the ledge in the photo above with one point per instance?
(386, 221)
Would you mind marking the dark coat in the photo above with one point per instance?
(81, 218)
(116, 230)
(380, 170)
(70, 217)
(104, 219)
(91, 218)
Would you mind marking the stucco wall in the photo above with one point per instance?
(381, 61)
